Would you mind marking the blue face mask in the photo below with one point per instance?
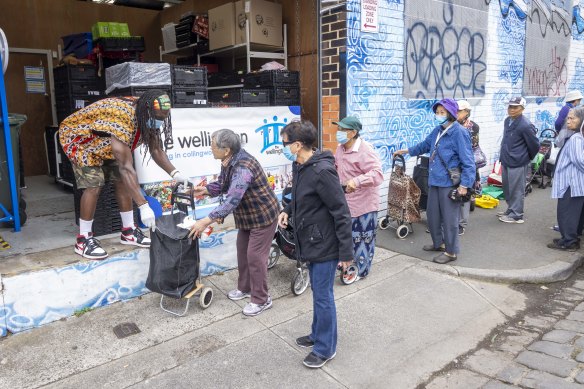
(342, 137)
(288, 153)
(155, 123)
(440, 119)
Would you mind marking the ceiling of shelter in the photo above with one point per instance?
(160, 4)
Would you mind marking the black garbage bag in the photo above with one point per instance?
(174, 258)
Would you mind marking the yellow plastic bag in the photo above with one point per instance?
(486, 201)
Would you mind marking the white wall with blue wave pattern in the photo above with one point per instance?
(33, 299)
(375, 66)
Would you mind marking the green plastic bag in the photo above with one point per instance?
(493, 191)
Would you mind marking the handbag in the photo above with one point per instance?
(479, 157)
(454, 172)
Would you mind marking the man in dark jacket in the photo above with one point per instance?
(322, 230)
(518, 147)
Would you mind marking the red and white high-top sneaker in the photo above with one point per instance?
(134, 237)
(89, 247)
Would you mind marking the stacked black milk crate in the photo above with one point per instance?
(189, 86)
(283, 86)
(76, 86)
(239, 97)
(107, 217)
(184, 31)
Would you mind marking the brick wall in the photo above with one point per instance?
(334, 42)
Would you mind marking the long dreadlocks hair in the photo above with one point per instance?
(144, 115)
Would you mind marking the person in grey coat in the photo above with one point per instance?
(518, 147)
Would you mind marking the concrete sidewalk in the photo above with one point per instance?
(496, 251)
(396, 328)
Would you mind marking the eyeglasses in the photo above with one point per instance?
(288, 143)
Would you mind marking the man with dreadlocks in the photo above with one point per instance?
(99, 140)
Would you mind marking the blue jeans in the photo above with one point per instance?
(324, 318)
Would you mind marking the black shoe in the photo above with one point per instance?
(305, 341)
(461, 231)
(430, 247)
(444, 259)
(314, 361)
(561, 246)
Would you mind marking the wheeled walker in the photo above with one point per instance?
(403, 200)
(174, 257)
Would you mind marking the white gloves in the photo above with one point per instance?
(179, 177)
(147, 216)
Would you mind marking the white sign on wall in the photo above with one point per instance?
(190, 149)
(369, 16)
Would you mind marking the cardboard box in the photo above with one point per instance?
(222, 26)
(265, 22)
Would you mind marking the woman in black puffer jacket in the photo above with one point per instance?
(322, 231)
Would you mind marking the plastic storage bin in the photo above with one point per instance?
(16, 121)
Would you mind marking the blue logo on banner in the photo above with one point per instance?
(271, 132)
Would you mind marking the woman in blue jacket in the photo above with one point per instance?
(322, 231)
(449, 147)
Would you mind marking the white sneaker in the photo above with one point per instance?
(134, 237)
(89, 248)
(509, 219)
(252, 309)
(237, 294)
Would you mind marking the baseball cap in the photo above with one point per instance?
(463, 104)
(517, 101)
(162, 103)
(350, 123)
(573, 95)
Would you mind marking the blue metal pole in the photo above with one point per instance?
(9, 156)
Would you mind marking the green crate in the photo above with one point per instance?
(101, 30)
(124, 30)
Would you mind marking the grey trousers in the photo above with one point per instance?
(569, 212)
(514, 182)
(443, 215)
(464, 214)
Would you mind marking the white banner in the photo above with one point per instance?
(190, 150)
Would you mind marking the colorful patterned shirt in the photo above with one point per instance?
(86, 134)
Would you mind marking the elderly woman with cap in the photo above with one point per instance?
(573, 99)
(360, 172)
(568, 185)
(449, 147)
(463, 118)
(250, 198)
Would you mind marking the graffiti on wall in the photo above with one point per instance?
(547, 48)
(519, 6)
(443, 58)
(577, 22)
(392, 121)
